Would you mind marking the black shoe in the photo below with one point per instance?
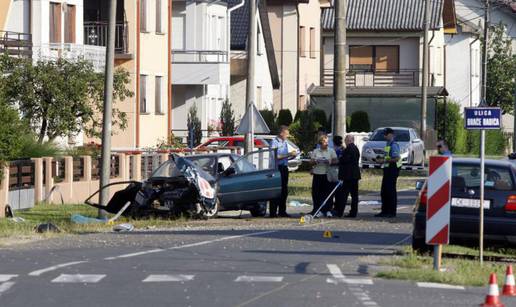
(351, 215)
(273, 216)
(380, 215)
(284, 215)
(390, 216)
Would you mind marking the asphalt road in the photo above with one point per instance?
(262, 263)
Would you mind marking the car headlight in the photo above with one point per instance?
(404, 150)
(369, 151)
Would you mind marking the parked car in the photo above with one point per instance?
(259, 141)
(411, 146)
(202, 185)
(499, 203)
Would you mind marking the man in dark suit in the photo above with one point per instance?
(349, 173)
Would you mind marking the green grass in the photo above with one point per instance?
(300, 183)
(466, 272)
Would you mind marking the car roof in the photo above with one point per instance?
(210, 155)
(491, 162)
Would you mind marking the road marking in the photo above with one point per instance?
(55, 267)
(439, 286)
(189, 245)
(362, 296)
(168, 278)
(246, 278)
(7, 277)
(6, 286)
(339, 277)
(78, 278)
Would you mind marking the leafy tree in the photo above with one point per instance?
(60, 97)
(270, 119)
(501, 70)
(450, 126)
(359, 122)
(319, 117)
(194, 126)
(284, 117)
(303, 130)
(12, 128)
(227, 119)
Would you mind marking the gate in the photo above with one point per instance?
(21, 184)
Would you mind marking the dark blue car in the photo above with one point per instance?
(499, 204)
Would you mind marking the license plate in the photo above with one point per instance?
(469, 203)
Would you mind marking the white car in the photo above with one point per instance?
(411, 146)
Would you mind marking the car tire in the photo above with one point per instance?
(213, 212)
(259, 211)
(419, 246)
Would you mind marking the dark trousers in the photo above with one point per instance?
(321, 188)
(349, 186)
(281, 204)
(389, 193)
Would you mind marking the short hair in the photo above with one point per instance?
(282, 128)
(337, 140)
(321, 138)
(350, 137)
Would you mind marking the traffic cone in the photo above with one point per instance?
(302, 220)
(327, 234)
(492, 297)
(509, 288)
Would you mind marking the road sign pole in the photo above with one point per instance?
(437, 257)
(482, 178)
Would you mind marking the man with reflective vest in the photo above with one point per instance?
(391, 169)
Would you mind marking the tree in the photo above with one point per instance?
(359, 122)
(319, 118)
(194, 127)
(501, 70)
(450, 126)
(270, 119)
(60, 97)
(303, 130)
(227, 119)
(12, 131)
(284, 117)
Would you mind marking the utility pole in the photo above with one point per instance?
(251, 83)
(339, 69)
(108, 102)
(487, 21)
(424, 84)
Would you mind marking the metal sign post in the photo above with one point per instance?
(482, 118)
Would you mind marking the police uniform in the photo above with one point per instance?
(390, 177)
(279, 207)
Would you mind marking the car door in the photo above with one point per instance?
(250, 179)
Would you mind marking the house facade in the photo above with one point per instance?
(384, 61)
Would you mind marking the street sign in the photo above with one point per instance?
(482, 118)
(438, 205)
(257, 122)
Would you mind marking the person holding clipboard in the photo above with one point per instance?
(322, 159)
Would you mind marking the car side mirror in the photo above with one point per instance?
(419, 185)
(414, 141)
(229, 171)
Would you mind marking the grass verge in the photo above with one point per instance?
(459, 271)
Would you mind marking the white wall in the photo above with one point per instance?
(18, 17)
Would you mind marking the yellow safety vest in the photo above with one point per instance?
(387, 150)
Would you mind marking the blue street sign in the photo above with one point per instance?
(482, 118)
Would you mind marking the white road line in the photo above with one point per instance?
(339, 277)
(189, 245)
(7, 277)
(168, 278)
(55, 267)
(246, 278)
(6, 286)
(439, 286)
(78, 278)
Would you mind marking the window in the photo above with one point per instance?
(158, 92)
(259, 97)
(143, 94)
(302, 41)
(312, 43)
(468, 177)
(55, 23)
(374, 58)
(159, 14)
(143, 15)
(69, 26)
(259, 46)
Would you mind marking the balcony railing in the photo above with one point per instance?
(354, 78)
(96, 34)
(94, 54)
(199, 56)
(16, 43)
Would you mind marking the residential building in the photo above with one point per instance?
(142, 47)
(384, 61)
(200, 62)
(267, 78)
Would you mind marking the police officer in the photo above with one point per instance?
(391, 168)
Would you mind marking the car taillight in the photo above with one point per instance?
(510, 204)
(423, 198)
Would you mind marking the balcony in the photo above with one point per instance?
(16, 44)
(401, 78)
(96, 34)
(192, 67)
(94, 54)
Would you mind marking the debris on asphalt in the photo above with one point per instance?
(296, 204)
(81, 219)
(46, 227)
(125, 227)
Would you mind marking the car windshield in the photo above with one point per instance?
(465, 176)
(399, 135)
(206, 164)
(168, 169)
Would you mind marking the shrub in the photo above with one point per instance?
(32, 148)
(11, 128)
(227, 119)
(496, 142)
(194, 127)
(303, 131)
(359, 122)
(450, 126)
(270, 119)
(319, 118)
(284, 117)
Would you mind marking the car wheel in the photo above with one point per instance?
(419, 246)
(259, 211)
(213, 212)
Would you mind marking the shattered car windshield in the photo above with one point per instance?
(167, 169)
